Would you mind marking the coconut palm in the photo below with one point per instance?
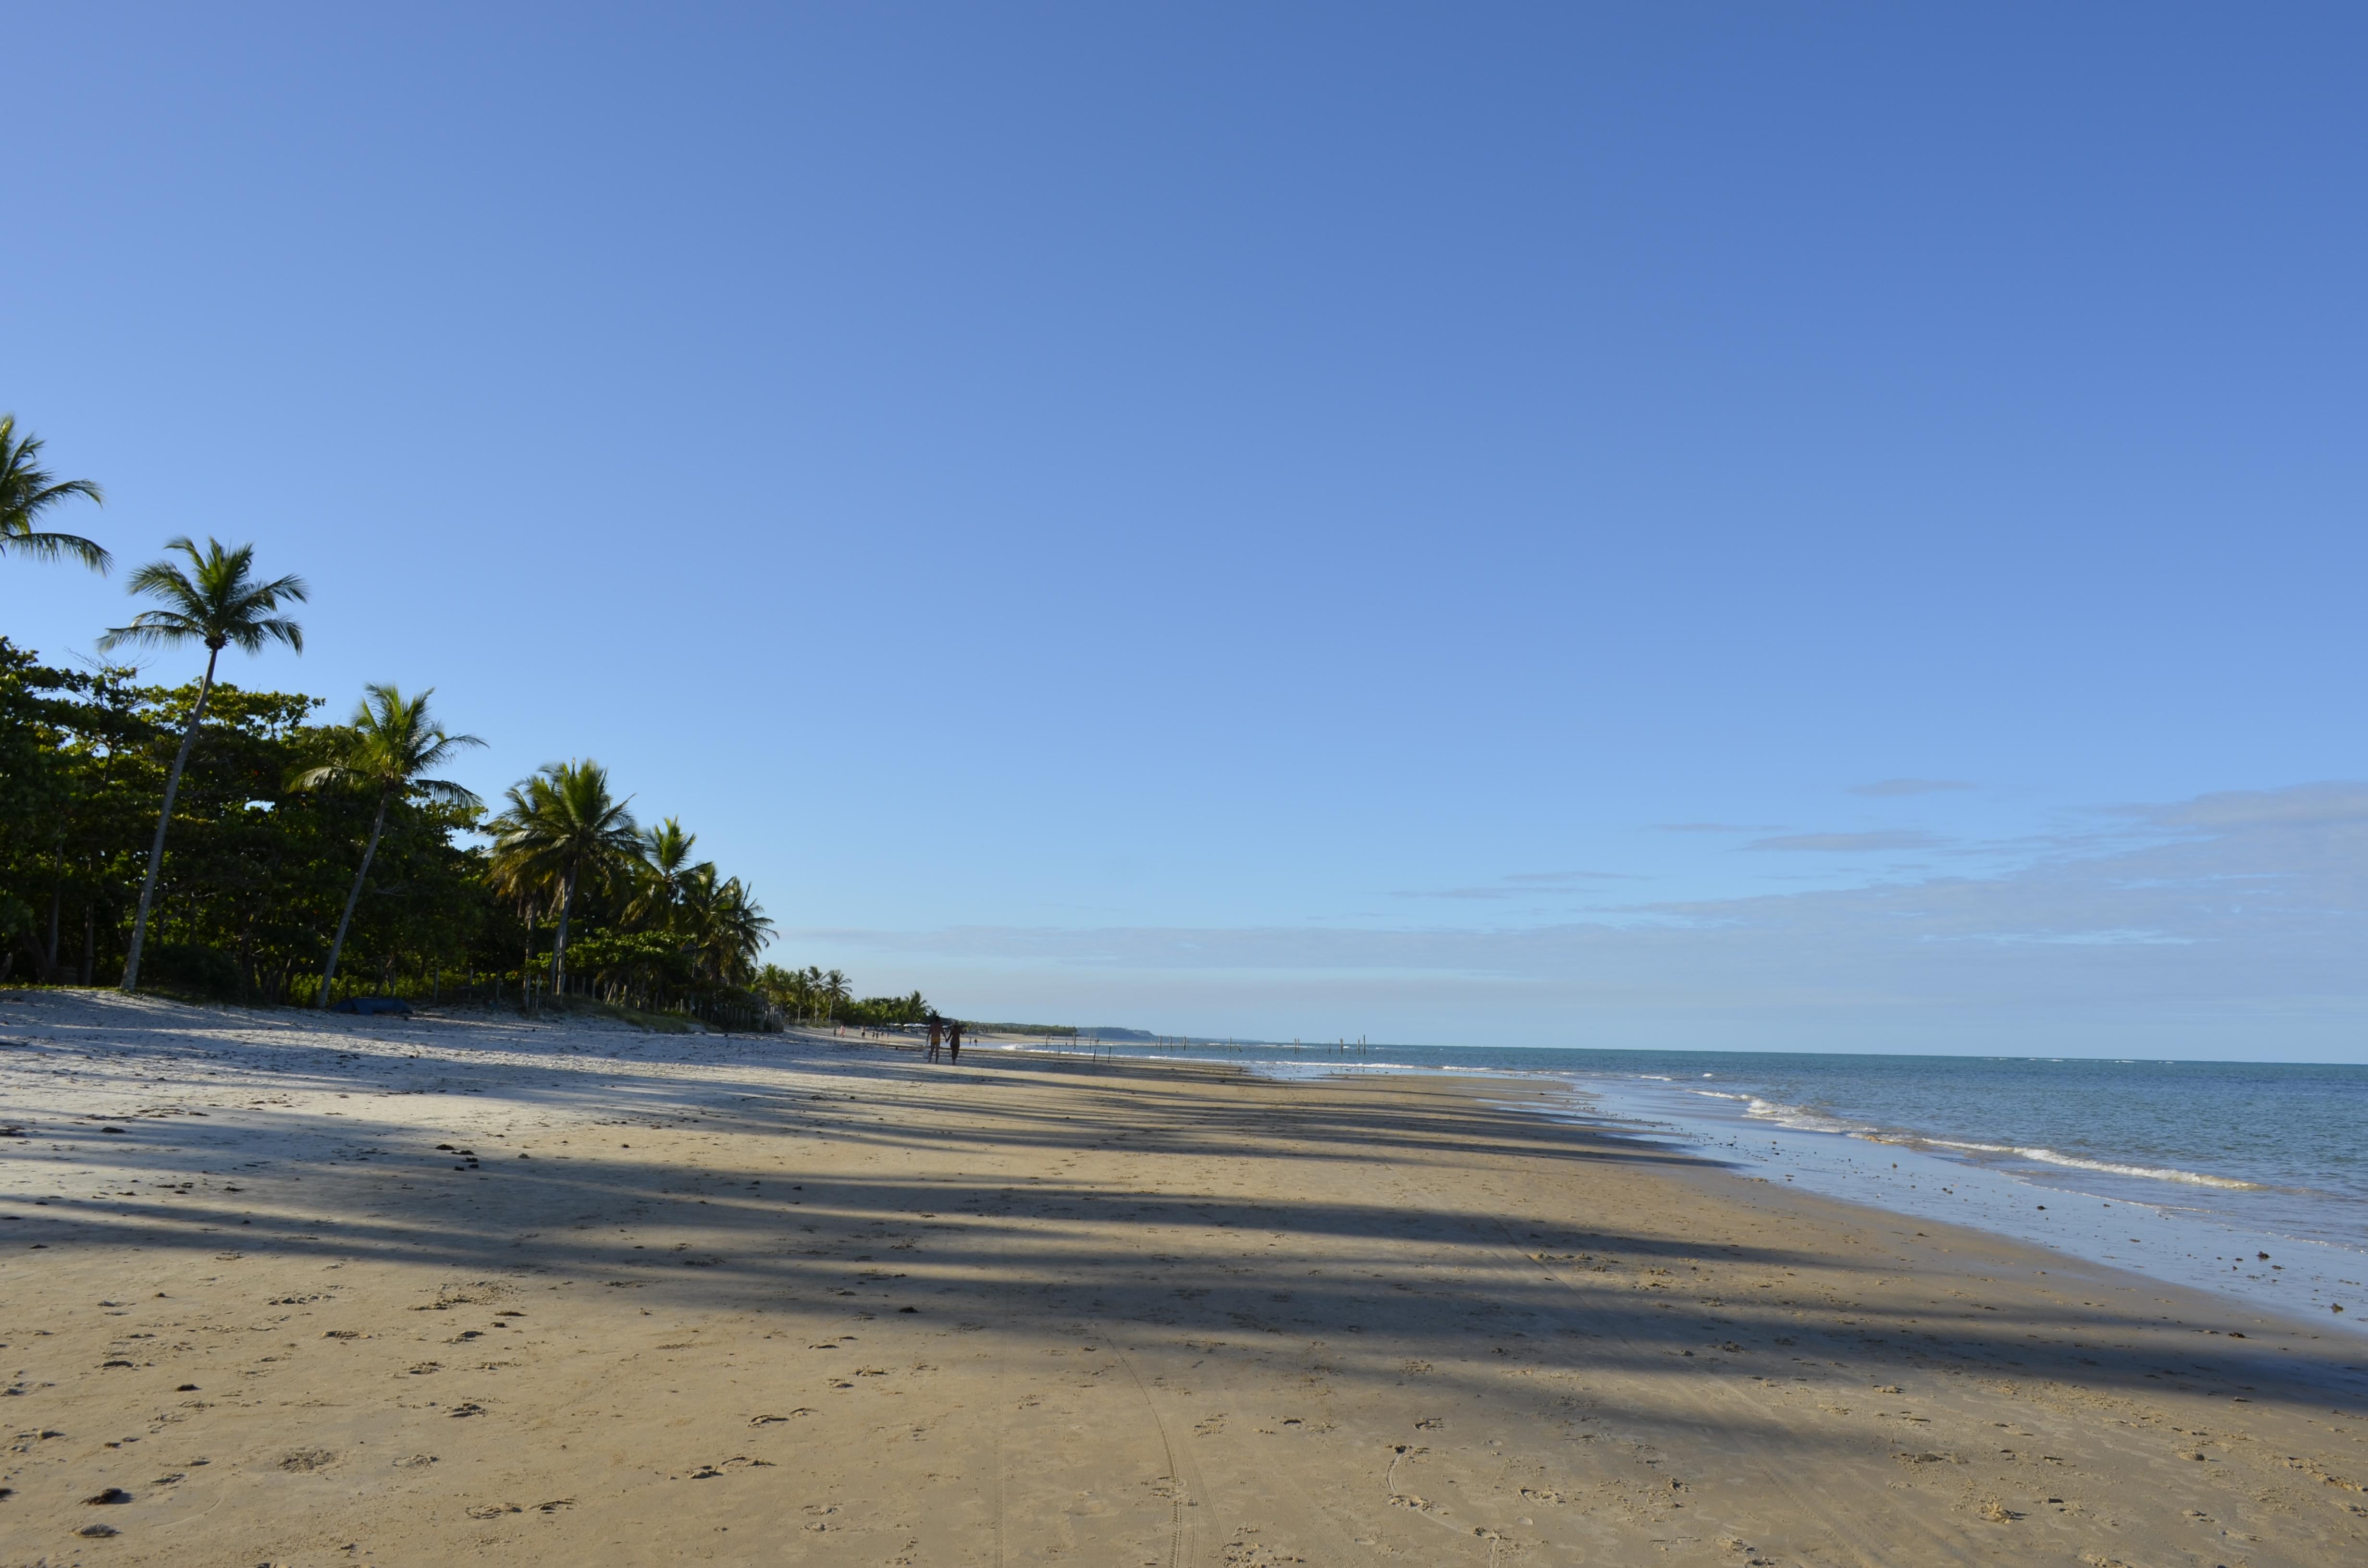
(521, 882)
(723, 926)
(666, 865)
(217, 602)
(565, 828)
(395, 744)
(27, 490)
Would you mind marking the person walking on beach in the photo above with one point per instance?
(937, 1033)
(954, 1040)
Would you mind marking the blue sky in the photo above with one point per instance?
(1534, 525)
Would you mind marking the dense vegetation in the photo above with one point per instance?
(207, 839)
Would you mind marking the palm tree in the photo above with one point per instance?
(394, 744)
(216, 602)
(835, 991)
(517, 879)
(27, 491)
(742, 929)
(723, 925)
(563, 827)
(666, 865)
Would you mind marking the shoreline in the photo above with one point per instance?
(1938, 1181)
(793, 1299)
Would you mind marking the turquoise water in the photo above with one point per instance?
(2183, 1170)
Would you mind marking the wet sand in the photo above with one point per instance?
(792, 1299)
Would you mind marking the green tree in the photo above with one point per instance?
(27, 490)
(564, 828)
(723, 926)
(666, 865)
(395, 744)
(216, 602)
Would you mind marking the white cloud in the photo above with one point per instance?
(2239, 935)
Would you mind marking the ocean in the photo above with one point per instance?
(2245, 1179)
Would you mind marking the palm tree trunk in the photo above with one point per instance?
(337, 944)
(163, 820)
(525, 960)
(559, 942)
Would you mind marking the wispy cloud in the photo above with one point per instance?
(1526, 884)
(1849, 843)
(1911, 787)
(2232, 930)
(1710, 828)
(1573, 877)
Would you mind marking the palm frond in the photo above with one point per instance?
(27, 490)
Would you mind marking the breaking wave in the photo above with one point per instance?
(2111, 1167)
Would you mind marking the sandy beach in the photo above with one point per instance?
(295, 1290)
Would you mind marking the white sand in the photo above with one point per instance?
(768, 1300)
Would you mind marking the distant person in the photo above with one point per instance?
(937, 1033)
(953, 1040)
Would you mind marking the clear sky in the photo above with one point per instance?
(1780, 525)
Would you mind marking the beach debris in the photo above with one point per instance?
(98, 1531)
(112, 1495)
(1997, 1512)
(303, 1461)
(493, 1510)
(415, 1462)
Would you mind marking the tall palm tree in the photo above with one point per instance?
(666, 865)
(395, 744)
(517, 879)
(216, 602)
(563, 825)
(723, 926)
(27, 490)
